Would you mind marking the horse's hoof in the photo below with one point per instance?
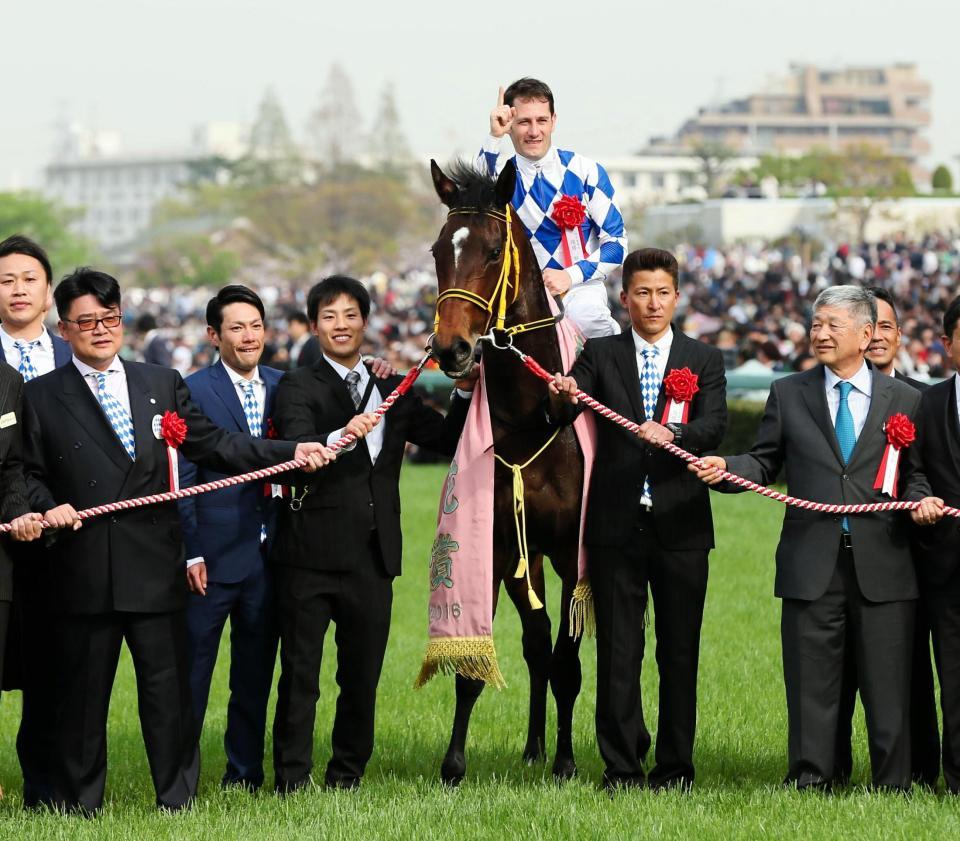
(453, 770)
(564, 768)
(531, 756)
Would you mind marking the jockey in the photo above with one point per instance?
(565, 202)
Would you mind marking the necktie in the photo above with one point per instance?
(846, 432)
(353, 378)
(118, 416)
(650, 390)
(26, 369)
(251, 410)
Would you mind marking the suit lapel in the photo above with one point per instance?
(79, 401)
(951, 428)
(815, 396)
(227, 392)
(324, 372)
(625, 356)
(62, 352)
(270, 381)
(880, 397)
(142, 412)
(677, 359)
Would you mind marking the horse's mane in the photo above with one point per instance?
(475, 189)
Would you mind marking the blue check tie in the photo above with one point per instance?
(118, 416)
(650, 390)
(252, 410)
(846, 432)
(26, 368)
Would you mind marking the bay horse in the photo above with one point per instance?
(469, 254)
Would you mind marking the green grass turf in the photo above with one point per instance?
(740, 754)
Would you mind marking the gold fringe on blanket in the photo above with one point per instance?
(582, 618)
(472, 657)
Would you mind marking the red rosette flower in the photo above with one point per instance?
(173, 429)
(271, 430)
(568, 212)
(900, 431)
(681, 384)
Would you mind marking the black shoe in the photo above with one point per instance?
(681, 784)
(284, 787)
(807, 781)
(251, 786)
(616, 783)
(342, 783)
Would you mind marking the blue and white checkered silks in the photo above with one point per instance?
(650, 390)
(118, 416)
(539, 185)
(251, 410)
(26, 367)
(845, 429)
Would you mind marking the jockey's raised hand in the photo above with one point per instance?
(501, 117)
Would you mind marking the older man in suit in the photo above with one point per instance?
(91, 437)
(845, 582)
(26, 279)
(937, 549)
(648, 521)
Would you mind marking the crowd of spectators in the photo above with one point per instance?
(753, 302)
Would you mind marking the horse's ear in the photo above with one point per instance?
(506, 184)
(446, 189)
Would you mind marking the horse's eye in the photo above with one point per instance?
(495, 253)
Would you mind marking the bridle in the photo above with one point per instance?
(506, 290)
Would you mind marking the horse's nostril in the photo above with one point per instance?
(462, 349)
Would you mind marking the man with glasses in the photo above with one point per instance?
(91, 437)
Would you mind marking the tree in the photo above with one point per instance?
(713, 158)
(334, 129)
(190, 260)
(48, 223)
(388, 144)
(942, 179)
(272, 156)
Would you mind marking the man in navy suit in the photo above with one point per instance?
(226, 536)
(27, 346)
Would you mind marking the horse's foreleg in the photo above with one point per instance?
(536, 641)
(454, 765)
(565, 682)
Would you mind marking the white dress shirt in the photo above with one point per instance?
(116, 382)
(956, 390)
(374, 438)
(240, 383)
(859, 399)
(41, 356)
(663, 345)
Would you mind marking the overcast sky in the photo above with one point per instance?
(620, 71)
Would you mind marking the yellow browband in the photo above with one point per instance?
(509, 277)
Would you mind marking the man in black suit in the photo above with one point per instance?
(648, 522)
(26, 280)
(937, 550)
(91, 437)
(847, 583)
(924, 732)
(338, 544)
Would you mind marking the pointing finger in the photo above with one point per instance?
(500, 96)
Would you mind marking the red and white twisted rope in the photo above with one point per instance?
(826, 507)
(264, 473)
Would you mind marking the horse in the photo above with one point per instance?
(469, 254)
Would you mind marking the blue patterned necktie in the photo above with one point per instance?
(846, 432)
(118, 416)
(650, 390)
(26, 368)
(251, 410)
(541, 191)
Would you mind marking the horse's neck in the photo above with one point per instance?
(515, 393)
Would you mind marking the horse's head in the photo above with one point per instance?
(469, 253)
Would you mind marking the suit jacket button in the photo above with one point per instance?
(845, 477)
(370, 503)
(92, 483)
(113, 519)
(77, 445)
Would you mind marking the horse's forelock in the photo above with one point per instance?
(475, 190)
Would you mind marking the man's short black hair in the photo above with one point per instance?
(330, 288)
(18, 244)
(86, 281)
(299, 317)
(527, 88)
(233, 294)
(951, 317)
(649, 260)
(884, 295)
